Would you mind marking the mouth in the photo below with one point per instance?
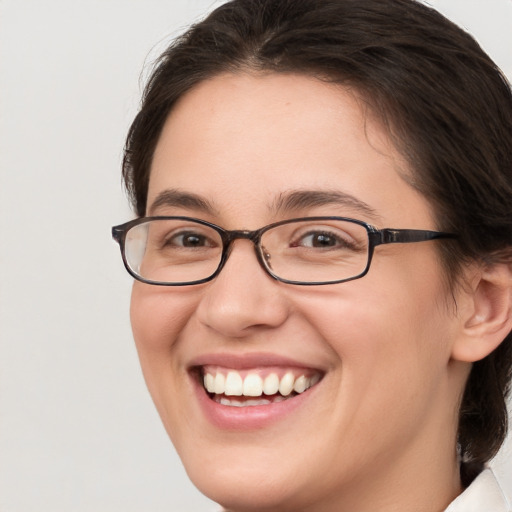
(256, 387)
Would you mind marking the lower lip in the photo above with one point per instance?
(252, 417)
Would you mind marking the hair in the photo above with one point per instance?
(446, 105)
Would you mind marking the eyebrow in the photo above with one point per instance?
(303, 199)
(180, 199)
(286, 202)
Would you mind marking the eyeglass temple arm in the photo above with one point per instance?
(400, 236)
(117, 234)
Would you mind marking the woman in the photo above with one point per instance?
(322, 256)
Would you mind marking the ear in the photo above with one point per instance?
(486, 318)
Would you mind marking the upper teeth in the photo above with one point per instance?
(231, 383)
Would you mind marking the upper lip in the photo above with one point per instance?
(247, 361)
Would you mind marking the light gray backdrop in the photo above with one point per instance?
(78, 431)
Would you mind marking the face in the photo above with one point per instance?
(373, 353)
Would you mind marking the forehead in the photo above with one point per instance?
(245, 139)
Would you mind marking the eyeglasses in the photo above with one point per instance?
(178, 251)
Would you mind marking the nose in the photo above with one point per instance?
(243, 298)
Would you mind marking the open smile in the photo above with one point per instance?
(248, 393)
(256, 387)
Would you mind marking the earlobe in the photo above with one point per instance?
(488, 319)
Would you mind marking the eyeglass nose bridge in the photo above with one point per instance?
(228, 237)
(231, 236)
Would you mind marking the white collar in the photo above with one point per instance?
(483, 495)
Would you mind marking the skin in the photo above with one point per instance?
(384, 417)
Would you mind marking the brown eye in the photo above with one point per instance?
(189, 240)
(322, 240)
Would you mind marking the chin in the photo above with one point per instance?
(262, 476)
(253, 491)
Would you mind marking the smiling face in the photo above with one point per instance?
(351, 393)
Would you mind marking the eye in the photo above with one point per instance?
(322, 240)
(190, 240)
(318, 240)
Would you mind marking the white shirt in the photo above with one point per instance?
(483, 495)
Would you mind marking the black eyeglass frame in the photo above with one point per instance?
(375, 237)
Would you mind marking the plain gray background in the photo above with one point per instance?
(78, 431)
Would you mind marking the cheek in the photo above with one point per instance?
(158, 317)
(393, 340)
(158, 314)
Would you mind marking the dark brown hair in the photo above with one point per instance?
(445, 103)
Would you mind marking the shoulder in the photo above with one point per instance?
(483, 495)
